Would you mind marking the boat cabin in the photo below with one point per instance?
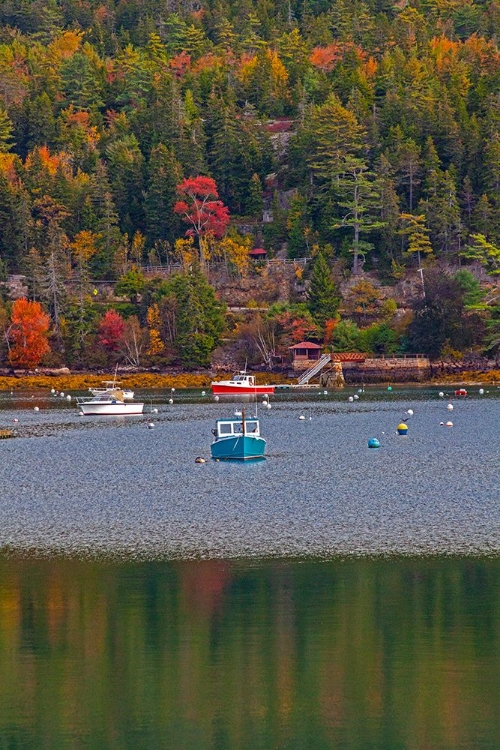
(243, 379)
(226, 428)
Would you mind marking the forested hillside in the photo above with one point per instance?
(136, 133)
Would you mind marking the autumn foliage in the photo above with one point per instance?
(200, 207)
(28, 334)
(111, 329)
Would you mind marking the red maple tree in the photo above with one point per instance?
(111, 329)
(201, 208)
(28, 333)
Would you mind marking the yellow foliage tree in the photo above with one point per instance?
(156, 345)
(186, 252)
(235, 252)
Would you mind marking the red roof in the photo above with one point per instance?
(258, 251)
(280, 125)
(305, 345)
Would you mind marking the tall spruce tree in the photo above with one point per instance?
(164, 174)
(322, 295)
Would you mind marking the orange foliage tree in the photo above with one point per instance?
(28, 333)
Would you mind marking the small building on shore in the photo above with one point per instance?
(305, 355)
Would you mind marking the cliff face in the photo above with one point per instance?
(273, 281)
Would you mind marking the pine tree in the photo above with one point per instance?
(81, 83)
(417, 233)
(254, 204)
(322, 295)
(298, 225)
(199, 320)
(6, 127)
(164, 174)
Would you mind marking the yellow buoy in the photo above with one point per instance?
(402, 428)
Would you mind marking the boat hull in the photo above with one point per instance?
(239, 448)
(114, 410)
(226, 389)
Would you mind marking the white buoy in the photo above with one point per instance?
(15, 420)
(481, 391)
(52, 390)
(68, 398)
(450, 407)
(441, 424)
(350, 399)
(200, 460)
(62, 394)
(172, 390)
(410, 412)
(203, 393)
(268, 405)
(302, 417)
(360, 390)
(36, 408)
(441, 394)
(151, 426)
(170, 400)
(356, 397)
(325, 393)
(449, 424)
(155, 411)
(216, 398)
(80, 414)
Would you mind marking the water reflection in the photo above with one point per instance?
(353, 655)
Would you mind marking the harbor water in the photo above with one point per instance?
(332, 596)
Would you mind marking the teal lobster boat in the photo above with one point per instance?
(238, 439)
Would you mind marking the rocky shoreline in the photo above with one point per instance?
(68, 381)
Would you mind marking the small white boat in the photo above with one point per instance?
(112, 385)
(111, 403)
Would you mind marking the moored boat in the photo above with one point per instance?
(238, 439)
(240, 383)
(460, 392)
(112, 385)
(110, 403)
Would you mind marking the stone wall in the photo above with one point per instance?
(381, 370)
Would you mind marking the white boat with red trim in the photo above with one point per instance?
(240, 383)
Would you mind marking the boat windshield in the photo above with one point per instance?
(224, 429)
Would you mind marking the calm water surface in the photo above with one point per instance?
(106, 485)
(349, 598)
(221, 655)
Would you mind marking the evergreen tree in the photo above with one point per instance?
(199, 319)
(164, 174)
(298, 226)
(81, 83)
(6, 128)
(322, 295)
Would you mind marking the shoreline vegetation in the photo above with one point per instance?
(146, 380)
